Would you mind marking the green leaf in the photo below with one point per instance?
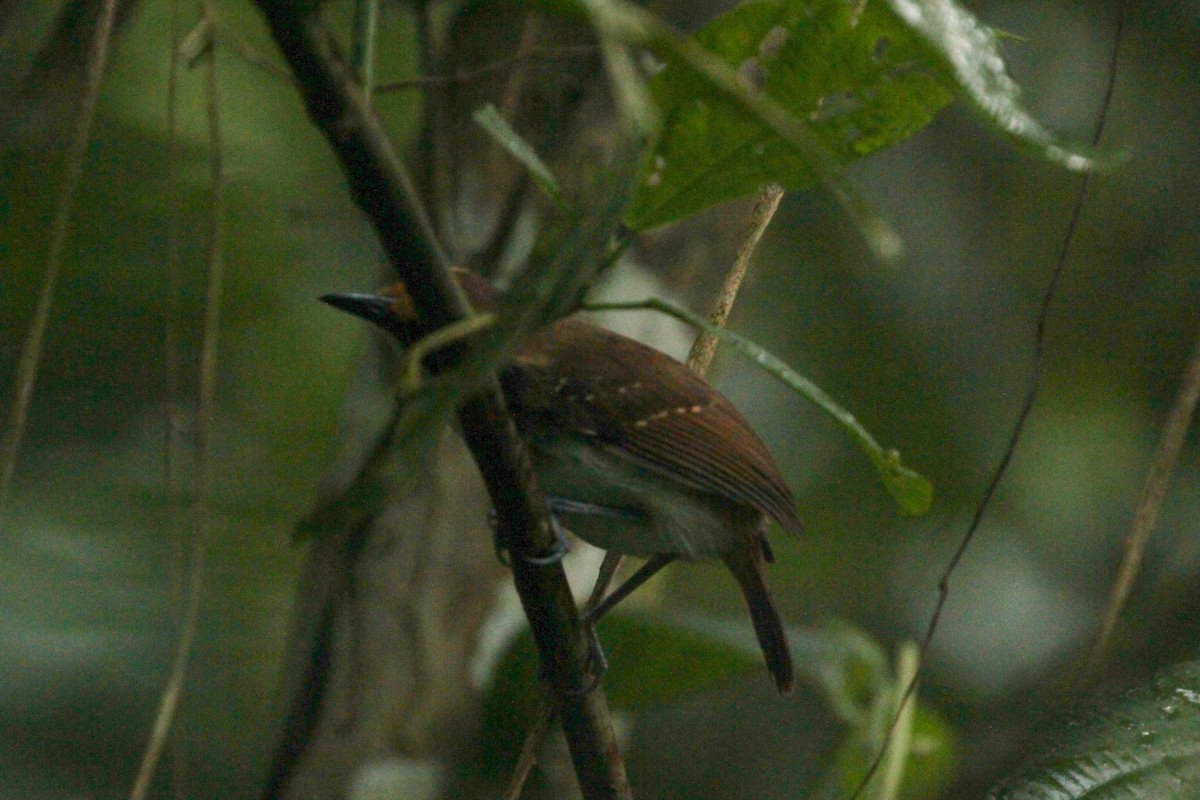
(931, 756)
(928, 769)
(918, 757)
(655, 659)
(912, 491)
(845, 662)
(970, 52)
(1146, 745)
(842, 660)
(857, 79)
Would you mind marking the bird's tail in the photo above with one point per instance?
(748, 567)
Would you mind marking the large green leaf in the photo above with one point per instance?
(858, 79)
(1145, 746)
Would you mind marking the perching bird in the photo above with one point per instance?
(635, 451)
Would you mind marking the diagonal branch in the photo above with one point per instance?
(31, 349)
(386, 193)
(1154, 494)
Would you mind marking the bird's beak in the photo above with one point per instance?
(389, 312)
(371, 307)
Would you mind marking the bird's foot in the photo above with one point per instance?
(595, 669)
(558, 550)
(597, 666)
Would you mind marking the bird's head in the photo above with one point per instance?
(392, 308)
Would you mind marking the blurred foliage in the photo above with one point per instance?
(932, 354)
(657, 660)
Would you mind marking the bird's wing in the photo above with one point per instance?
(664, 417)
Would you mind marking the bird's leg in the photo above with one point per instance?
(599, 661)
(644, 573)
(598, 605)
(608, 568)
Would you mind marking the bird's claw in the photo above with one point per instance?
(596, 668)
(558, 552)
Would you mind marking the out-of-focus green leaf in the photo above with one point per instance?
(651, 661)
(1146, 745)
(663, 660)
(970, 52)
(656, 660)
(857, 79)
(907, 749)
(927, 771)
(932, 757)
(850, 666)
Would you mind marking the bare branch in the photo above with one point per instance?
(1154, 493)
(705, 345)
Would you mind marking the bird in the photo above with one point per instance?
(636, 453)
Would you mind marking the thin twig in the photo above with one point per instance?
(173, 450)
(201, 512)
(362, 54)
(528, 757)
(31, 350)
(1154, 493)
(463, 76)
(235, 43)
(1031, 392)
(900, 747)
(705, 345)
(435, 114)
(509, 101)
(510, 98)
